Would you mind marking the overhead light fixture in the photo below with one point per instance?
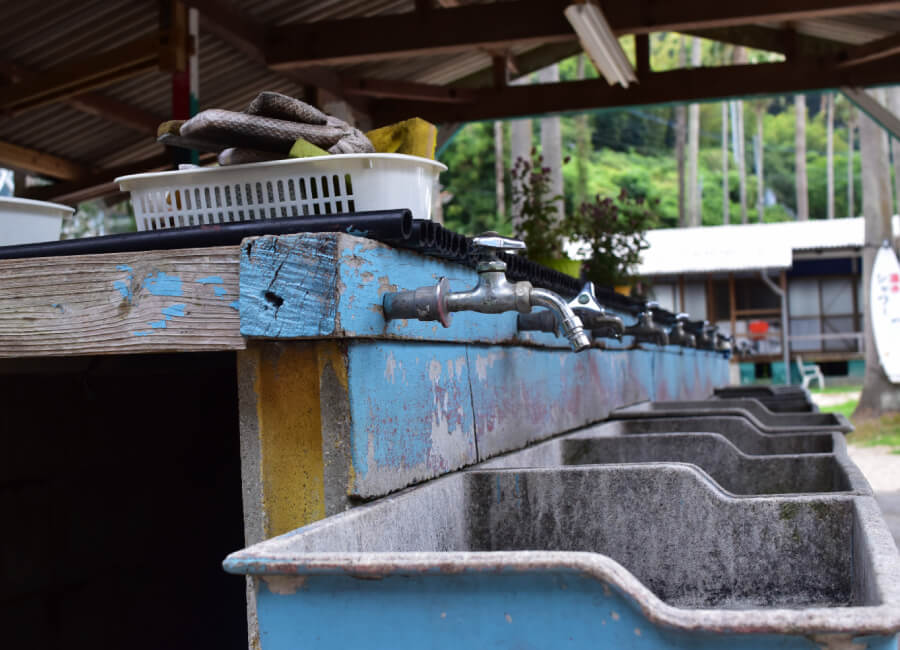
(600, 44)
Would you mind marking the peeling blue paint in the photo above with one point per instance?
(173, 310)
(211, 279)
(410, 413)
(123, 267)
(163, 284)
(220, 291)
(124, 289)
(236, 305)
(288, 286)
(157, 324)
(143, 333)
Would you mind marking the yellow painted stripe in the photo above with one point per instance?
(290, 430)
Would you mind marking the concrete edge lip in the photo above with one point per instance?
(728, 407)
(881, 619)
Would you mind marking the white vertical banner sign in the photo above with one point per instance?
(885, 309)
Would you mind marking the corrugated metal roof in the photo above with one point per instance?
(40, 35)
(750, 247)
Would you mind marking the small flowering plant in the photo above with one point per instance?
(612, 232)
(541, 225)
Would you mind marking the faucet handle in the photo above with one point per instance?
(498, 242)
(651, 304)
(586, 300)
(682, 317)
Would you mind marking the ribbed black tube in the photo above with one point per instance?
(390, 226)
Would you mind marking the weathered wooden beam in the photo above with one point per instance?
(96, 183)
(92, 103)
(100, 182)
(75, 77)
(331, 284)
(232, 25)
(874, 109)
(383, 88)
(687, 85)
(496, 25)
(771, 39)
(646, 16)
(437, 31)
(248, 35)
(525, 63)
(12, 155)
(872, 51)
(152, 301)
(116, 111)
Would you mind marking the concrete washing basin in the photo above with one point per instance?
(751, 409)
(716, 524)
(740, 431)
(778, 399)
(656, 550)
(732, 469)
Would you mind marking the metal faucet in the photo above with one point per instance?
(677, 335)
(705, 335)
(645, 329)
(493, 294)
(585, 305)
(724, 343)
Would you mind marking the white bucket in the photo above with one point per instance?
(23, 221)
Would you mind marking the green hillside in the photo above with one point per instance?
(634, 148)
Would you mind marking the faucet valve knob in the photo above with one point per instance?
(495, 241)
(586, 300)
(488, 244)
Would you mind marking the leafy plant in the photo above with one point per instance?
(612, 232)
(540, 224)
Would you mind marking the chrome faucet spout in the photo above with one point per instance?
(570, 325)
(593, 317)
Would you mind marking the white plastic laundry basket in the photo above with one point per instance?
(283, 188)
(23, 221)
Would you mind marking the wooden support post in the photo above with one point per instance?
(710, 300)
(681, 306)
(285, 402)
(642, 54)
(732, 303)
(501, 71)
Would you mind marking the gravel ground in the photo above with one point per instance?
(882, 470)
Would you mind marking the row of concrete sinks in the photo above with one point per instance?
(722, 516)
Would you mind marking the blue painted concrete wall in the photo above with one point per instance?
(425, 400)
(420, 410)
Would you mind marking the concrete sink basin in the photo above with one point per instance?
(751, 409)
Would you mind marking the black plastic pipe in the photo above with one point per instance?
(389, 226)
